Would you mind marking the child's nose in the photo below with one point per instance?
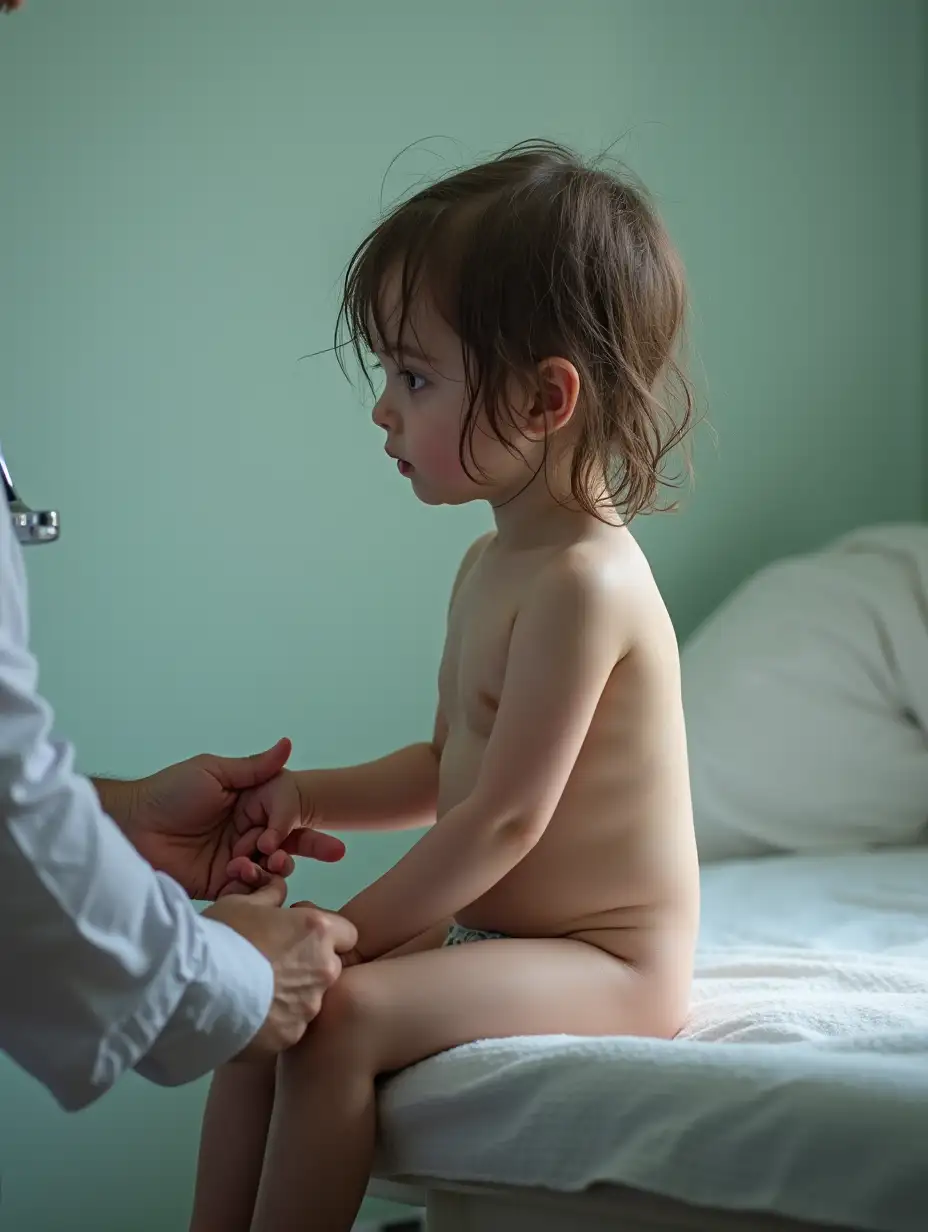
(383, 415)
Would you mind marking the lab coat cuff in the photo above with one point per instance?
(219, 1013)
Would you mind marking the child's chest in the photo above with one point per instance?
(473, 664)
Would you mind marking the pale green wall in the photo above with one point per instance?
(181, 185)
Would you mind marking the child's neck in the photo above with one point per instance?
(544, 514)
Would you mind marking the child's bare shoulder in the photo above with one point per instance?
(470, 558)
(611, 563)
(608, 583)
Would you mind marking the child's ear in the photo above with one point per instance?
(555, 398)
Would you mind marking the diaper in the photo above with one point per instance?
(458, 935)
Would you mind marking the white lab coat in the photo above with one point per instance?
(104, 964)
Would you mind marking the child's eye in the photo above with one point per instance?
(413, 380)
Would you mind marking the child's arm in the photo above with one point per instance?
(566, 641)
(395, 792)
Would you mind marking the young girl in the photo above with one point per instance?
(524, 313)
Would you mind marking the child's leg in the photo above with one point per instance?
(385, 1015)
(235, 1125)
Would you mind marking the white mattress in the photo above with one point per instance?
(799, 1087)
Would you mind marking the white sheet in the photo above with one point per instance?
(800, 1085)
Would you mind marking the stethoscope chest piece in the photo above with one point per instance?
(30, 526)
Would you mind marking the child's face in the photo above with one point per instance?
(421, 409)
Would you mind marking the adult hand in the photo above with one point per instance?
(303, 946)
(185, 822)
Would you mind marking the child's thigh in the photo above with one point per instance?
(401, 1010)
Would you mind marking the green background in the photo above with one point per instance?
(182, 183)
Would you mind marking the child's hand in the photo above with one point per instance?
(273, 821)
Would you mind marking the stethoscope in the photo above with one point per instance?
(30, 526)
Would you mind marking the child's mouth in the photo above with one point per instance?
(404, 467)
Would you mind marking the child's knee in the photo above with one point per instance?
(346, 1024)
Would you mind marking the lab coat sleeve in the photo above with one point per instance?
(104, 964)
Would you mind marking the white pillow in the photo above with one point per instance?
(806, 698)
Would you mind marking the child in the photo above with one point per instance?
(524, 313)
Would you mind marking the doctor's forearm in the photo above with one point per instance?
(105, 965)
(117, 799)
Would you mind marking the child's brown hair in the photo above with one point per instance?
(531, 255)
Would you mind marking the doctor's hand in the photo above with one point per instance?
(303, 946)
(185, 821)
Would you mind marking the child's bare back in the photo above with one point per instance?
(616, 865)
